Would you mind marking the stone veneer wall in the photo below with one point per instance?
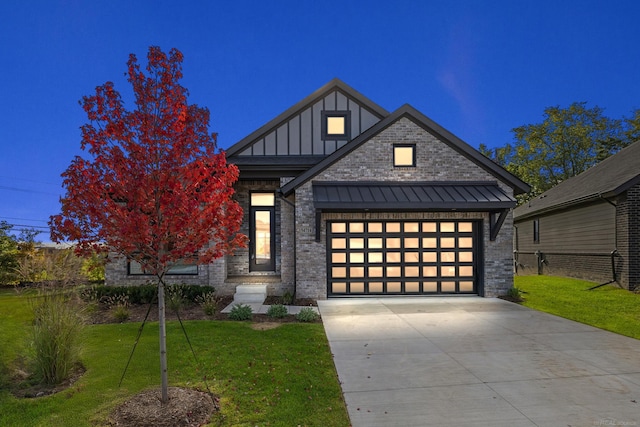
(373, 161)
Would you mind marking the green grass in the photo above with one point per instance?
(279, 377)
(608, 307)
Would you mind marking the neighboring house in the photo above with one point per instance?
(343, 198)
(587, 226)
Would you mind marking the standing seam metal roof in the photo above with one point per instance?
(483, 196)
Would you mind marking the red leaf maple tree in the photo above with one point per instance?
(153, 189)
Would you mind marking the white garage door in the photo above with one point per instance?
(402, 257)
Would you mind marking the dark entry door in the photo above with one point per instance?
(262, 245)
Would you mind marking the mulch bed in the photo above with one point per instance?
(137, 313)
(186, 408)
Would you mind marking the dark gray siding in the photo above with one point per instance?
(302, 133)
(584, 229)
(574, 242)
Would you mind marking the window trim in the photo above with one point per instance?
(346, 114)
(536, 231)
(413, 147)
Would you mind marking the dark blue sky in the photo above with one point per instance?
(478, 68)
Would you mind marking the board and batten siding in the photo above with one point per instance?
(301, 135)
(584, 229)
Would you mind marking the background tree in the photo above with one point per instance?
(567, 142)
(9, 254)
(13, 249)
(153, 189)
(632, 127)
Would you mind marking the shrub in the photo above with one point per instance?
(144, 294)
(192, 292)
(208, 302)
(277, 311)
(241, 312)
(55, 339)
(307, 314)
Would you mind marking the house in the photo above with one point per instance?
(586, 227)
(344, 198)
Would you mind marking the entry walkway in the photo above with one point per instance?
(471, 361)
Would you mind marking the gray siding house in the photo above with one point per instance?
(586, 227)
(344, 198)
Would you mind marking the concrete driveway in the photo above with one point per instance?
(471, 361)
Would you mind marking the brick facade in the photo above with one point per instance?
(301, 260)
(373, 161)
(628, 236)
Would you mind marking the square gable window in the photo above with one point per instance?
(404, 155)
(336, 125)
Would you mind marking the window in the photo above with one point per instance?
(536, 231)
(404, 155)
(180, 268)
(336, 125)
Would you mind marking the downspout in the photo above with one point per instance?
(515, 249)
(614, 254)
(295, 257)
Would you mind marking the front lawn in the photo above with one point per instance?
(608, 307)
(278, 377)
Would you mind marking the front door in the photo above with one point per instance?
(262, 239)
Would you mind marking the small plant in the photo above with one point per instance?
(277, 311)
(287, 298)
(307, 314)
(119, 306)
(515, 293)
(120, 313)
(90, 294)
(175, 297)
(208, 302)
(241, 312)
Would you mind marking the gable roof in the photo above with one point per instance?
(333, 85)
(609, 178)
(430, 126)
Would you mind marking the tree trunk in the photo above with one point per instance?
(163, 344)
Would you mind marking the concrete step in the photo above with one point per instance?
(250, 294)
